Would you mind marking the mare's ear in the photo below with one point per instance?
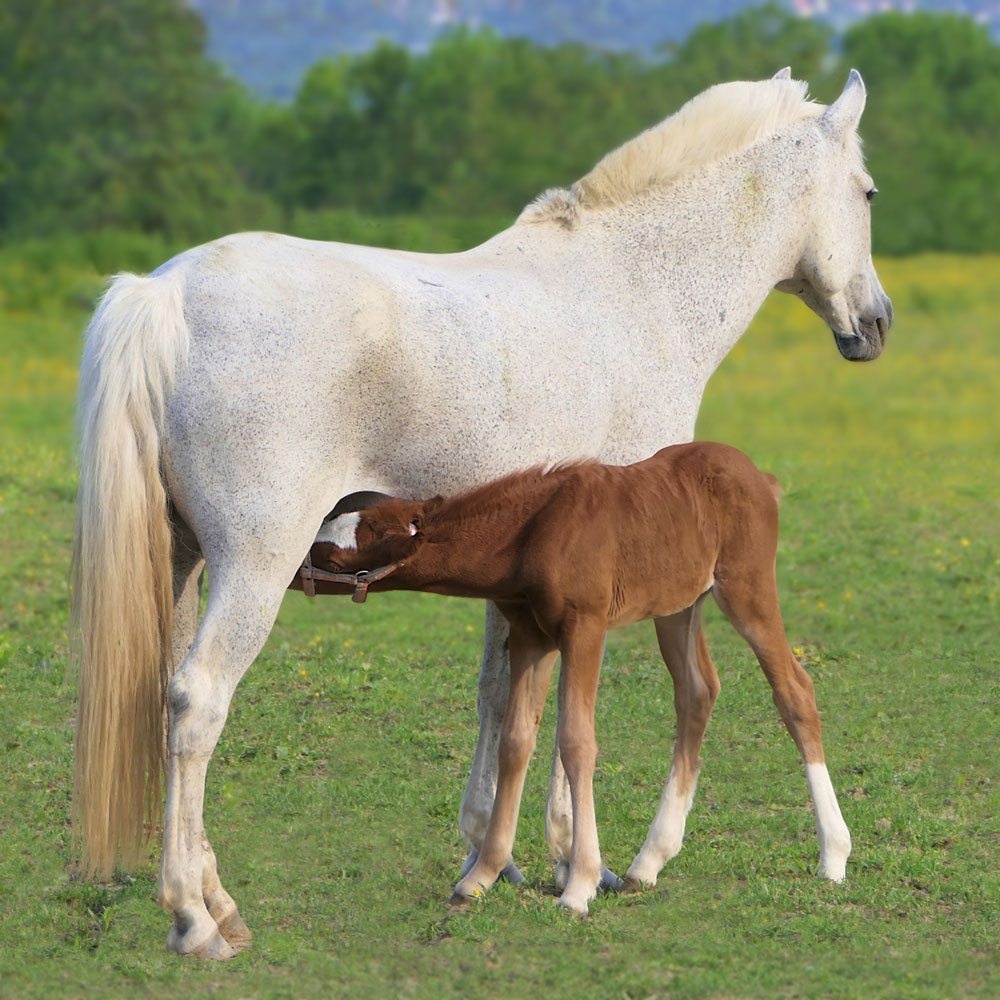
(842, 117)
(783, 74)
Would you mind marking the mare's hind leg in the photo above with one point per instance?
(188, 565)
(532, 655)
(243, 604)
(477, 802)
(749, 599)
(696, 686)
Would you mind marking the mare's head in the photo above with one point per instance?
(382, 531)
(834, 275)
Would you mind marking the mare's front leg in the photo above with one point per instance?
(241, 610)
(477, 802)
(532, 656)
(696, 686)
(581, 647)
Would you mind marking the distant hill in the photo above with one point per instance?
(269, 43)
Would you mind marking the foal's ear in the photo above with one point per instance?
(842, 117)
(783, 74)
(427, 509)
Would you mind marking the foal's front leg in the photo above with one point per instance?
(559, 820)
(532, 656)
(581, 664)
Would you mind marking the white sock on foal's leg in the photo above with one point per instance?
(834, 837)
(666, 835)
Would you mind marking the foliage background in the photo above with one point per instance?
(111, 117)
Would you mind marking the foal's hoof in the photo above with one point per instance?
(459, 901)
(610, 882)
(580, 908)
(631, 886)
(510, 872)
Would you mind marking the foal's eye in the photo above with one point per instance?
(871, 193)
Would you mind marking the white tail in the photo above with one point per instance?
(122, 579)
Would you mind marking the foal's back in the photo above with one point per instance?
(646, 540)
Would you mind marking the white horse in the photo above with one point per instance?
(230, 397)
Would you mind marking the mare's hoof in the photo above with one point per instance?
(610, 882)
(560, 875)
(214, 947)
(511, 873)
(459, 901)
(217, 948)
(235, 931)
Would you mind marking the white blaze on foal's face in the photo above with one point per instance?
(341, 531)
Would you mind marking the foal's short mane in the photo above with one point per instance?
(510, 492)
(722, 120)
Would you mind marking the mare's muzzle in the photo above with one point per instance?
(869, 330)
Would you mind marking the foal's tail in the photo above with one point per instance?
(122, 580)
(776, 489)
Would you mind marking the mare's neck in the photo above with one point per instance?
(702, 255)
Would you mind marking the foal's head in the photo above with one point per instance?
(388, 532)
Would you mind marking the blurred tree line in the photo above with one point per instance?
(111, 117)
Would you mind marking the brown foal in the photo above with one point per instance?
(569, 553)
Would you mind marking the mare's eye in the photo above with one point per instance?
(871, 193)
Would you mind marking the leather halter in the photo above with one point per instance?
(359, 580)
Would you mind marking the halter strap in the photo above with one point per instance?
(361, 580)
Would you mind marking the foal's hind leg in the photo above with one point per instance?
(696, 686)
(749, 599)
(188, 565)
(532, 655)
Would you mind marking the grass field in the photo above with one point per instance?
(333, 796)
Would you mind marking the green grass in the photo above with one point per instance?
(333, 796)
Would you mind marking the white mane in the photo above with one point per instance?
(720, 121)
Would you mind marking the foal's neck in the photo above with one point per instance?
(472, 544)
